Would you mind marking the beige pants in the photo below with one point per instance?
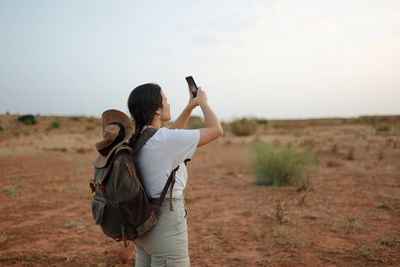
(167, 243)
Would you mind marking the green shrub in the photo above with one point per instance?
(262, 122)
(1, 129)
(27, 119)
(383, 127)
(244, 127)
(55, 124)
(279, 165)
(195, 122)
(388, 241)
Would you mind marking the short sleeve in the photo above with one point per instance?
(182, 144)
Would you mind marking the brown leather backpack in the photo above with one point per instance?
(120, 204)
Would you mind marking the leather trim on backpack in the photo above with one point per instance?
(147, 225)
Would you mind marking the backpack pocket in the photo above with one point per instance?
(98, 206)
(138, 213)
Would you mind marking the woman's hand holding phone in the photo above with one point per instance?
(201, 98)
(193, 92)
(192, 102)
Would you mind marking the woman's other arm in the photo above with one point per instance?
(183, 119)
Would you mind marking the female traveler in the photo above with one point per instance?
(166, 244)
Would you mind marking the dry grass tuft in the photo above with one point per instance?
(286, 237)
(82, 150)
(279, 213)
(4, 237)
(59, 149)
(350, 155)
(302, 200)
(333, 163)
(334, 148)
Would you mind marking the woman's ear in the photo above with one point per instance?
(158, 112)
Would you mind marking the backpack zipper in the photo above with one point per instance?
(129, 169)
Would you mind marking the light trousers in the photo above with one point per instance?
(167, 243)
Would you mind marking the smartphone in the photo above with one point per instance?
(192, 85)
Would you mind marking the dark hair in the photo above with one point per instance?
(143, 103)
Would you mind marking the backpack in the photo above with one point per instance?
(120, 204)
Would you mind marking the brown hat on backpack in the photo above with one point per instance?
(117, 129)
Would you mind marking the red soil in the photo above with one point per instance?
(349, 214)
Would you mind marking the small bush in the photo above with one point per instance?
(388, 241)
(90, 127)
(384, 206)
(244, 127)
(262, 122)
(70, 224)
(383, 127)
(55, 124)
(27, 119)
(1, 129)
(13, 190)
(279, 165)
(195, 122)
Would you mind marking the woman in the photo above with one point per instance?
(167, 243)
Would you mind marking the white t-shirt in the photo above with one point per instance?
(161, 154)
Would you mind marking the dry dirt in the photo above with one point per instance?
(349, 214)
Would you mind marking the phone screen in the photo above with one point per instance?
(192, 85)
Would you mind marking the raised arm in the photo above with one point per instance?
(213, 128)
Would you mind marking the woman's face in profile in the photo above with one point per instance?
(165, 110)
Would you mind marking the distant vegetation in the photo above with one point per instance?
(383, 127)
(279, 165)
(195, 122)
(262, 122)
(14, 125)
(27, 119)
(244, 127)
(55, 124)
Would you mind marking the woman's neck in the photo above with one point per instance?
(156, 122)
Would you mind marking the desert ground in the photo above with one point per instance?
(348, 214)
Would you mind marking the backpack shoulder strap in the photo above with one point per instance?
(170, 181)
(122, 147)
(143, 138)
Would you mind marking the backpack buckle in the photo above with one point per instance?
(124, 236)
(92, 186)
(101, 188)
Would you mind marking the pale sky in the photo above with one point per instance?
(266, 59)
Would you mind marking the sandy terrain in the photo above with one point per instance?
(349, 215)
